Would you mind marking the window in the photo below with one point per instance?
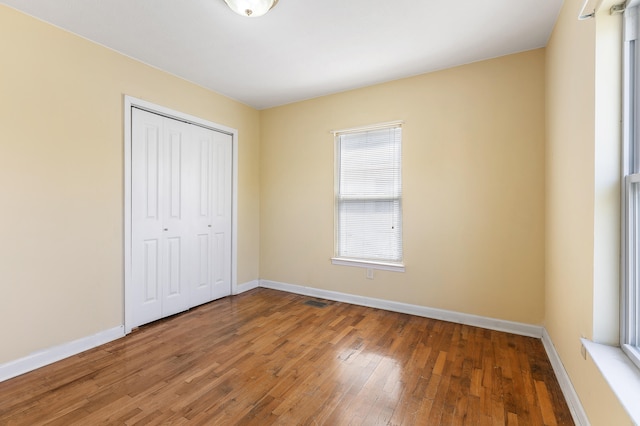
(630, 294)
(368, 197)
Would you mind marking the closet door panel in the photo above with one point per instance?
(221, 214)
(146, 234)
(175, 206)
(202, 284)
(202, 140)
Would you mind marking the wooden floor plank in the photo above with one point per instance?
(266, 358)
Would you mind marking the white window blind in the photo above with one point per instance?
(369, 195)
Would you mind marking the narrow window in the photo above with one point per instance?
(368, 197)
(630, 291)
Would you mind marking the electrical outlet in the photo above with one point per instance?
(369, 273)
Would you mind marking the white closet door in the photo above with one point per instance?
(212, 224)
(147, 191)
(176, 206)
(181, 216)
(202, 218)
(221, 215)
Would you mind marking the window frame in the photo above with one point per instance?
(630, 189)
(368, 263)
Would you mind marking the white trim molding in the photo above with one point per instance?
(249, 285)
(377, 126)
(569, 392)
(394, 267)
(50, 355)
(621, 374)
(406, 308)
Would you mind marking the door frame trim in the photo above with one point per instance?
(129, 103)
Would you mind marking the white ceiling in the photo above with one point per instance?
(303, 48)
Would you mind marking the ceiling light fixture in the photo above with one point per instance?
(251, 8)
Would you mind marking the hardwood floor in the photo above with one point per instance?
(265, 357)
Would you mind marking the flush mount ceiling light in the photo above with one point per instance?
(251, 8)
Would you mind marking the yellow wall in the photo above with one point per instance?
(473, 181)
(61, 174)
(582, 187)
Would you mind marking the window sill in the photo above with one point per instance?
(621, 374)
(395, 267)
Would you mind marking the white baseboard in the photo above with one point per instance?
(249, 285)
(405, 308)
(50, 355)
(569, 392)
